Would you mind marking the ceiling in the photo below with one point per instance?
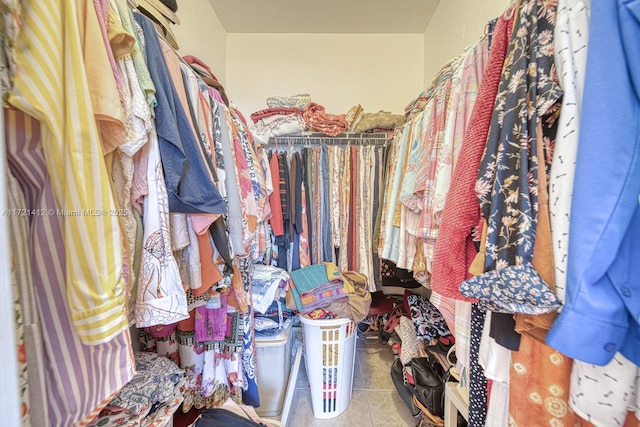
(325, 16)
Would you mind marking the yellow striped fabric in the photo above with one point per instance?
(51, 85)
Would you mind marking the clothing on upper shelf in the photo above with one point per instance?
(318, 120)
(279, 122)
(299, 101)
(273, 112)
(153, 203)
(379, 120)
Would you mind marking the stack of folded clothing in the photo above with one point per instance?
(273, 320)
(353, 116)
(282, 117)
(274, 113)
(318, 120)
(382, 121)
(299, 101)
(277, 122)
(269, 287)
(316, 286)
(268, 283)
(150, 398)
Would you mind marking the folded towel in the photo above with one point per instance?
(299, 101)
(278, 125)
(268, 112)
(379, 120)
(353, 116)
(316, 286)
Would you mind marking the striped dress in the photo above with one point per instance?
(56, 155)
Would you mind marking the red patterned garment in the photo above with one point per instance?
(454, 249)
(270, 112)
(318, 120)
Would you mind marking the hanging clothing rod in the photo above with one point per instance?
(321, 139)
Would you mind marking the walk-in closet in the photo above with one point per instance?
(288, 213)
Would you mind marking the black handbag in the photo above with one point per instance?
(404, 390)
(223, 417)
(429, 378)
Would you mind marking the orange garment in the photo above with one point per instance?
(103, 88)
(540, 376)
(173, 65)
(189, 324)
(277, 225)
(539, 385)
(537, 326)
(238, 298)
(208, 270)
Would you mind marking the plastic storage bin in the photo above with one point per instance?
(330, 352)
(274, 364)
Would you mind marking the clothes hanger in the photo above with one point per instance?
(508, 13)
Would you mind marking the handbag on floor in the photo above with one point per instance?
(224, 417)
(405, 391)
(428, 384)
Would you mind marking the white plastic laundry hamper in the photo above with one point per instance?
(330, 352)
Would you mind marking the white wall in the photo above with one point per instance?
(378, 71)
(455, 25)
(201, 34)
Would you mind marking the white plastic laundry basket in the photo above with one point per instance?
(330, 352)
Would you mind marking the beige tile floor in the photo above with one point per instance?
(374, 401)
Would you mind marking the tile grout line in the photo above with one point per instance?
(366, 390)
(369, 406)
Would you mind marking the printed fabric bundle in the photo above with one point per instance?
(379, 120)
(318, 120)
(273, 112)
(517, 289)
(299, 101)
(279, 121)
(427, 319)
(356, 306)
(316, 286)
(149, 398)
